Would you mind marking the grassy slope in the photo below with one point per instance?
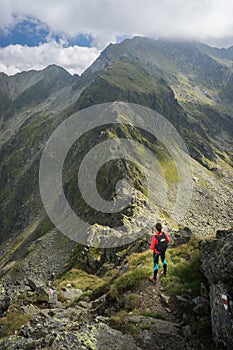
(183, 273)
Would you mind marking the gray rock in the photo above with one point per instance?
(181, 299)
(166, 327)
(62, 334)
(30, 309)
(99, 302)
(4, 300)
(108, 338)
(71, 314)
(204, 291)
(223, 233)
(183, 236)
(135, 319)
(71, 293)
(161, 334)
(221, 319)
(36, 285)
(216, 258)
(164, 298)
(85, 305)
(18, 343)
(202, 309)
(45, 313)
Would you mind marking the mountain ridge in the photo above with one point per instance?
(206, 130)
(167, 78)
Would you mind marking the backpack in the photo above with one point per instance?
(162, 243)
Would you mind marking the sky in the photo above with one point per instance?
(72, 33)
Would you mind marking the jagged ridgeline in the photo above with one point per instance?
(189, 84)
(26, 196)
(185, 82)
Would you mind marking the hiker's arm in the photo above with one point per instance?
(153, 243)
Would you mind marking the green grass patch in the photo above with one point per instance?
(81, 280)
(130, 77)
(139, 268)
(145, 327)
(170, 171)
(148, 313)
(133, 302)
(183, 269)
(131, 329)
(119, 319)
(13, 321)
(34, 298)
(121, 322)
(91, 285)
(44, 227)
(168, 166)
(127, 281)
(95, 253)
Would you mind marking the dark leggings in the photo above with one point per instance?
(156, 263)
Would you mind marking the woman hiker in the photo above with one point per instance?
(159, 246)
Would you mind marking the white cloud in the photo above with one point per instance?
(107, 19)
(16, 58)
(209, 21)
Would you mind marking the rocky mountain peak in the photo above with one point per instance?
(62, 291)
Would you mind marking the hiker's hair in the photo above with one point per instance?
(158, 227)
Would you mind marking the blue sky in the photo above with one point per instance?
(32, 32)
(72, 33)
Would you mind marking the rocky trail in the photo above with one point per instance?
(158, 322)
(145, 316)
(53, 325)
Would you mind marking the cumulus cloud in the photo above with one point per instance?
(209, 21)
(16, 58)
(107, 19)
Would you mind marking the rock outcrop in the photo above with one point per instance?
(217, 264)
(4, 300)
(65, 329)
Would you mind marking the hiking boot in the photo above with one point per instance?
(152, 279)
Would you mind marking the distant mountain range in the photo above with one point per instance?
(189, 83)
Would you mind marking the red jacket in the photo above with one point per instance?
(154, 241)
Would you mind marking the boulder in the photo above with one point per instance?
(4, 300)
(66, 333)
(109, 338)
(223, 233)
(37, 285)
(71, 293)
(217, 265)
(158, 334)
(182, 236)
(216, 257)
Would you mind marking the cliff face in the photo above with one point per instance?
(217, 265)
